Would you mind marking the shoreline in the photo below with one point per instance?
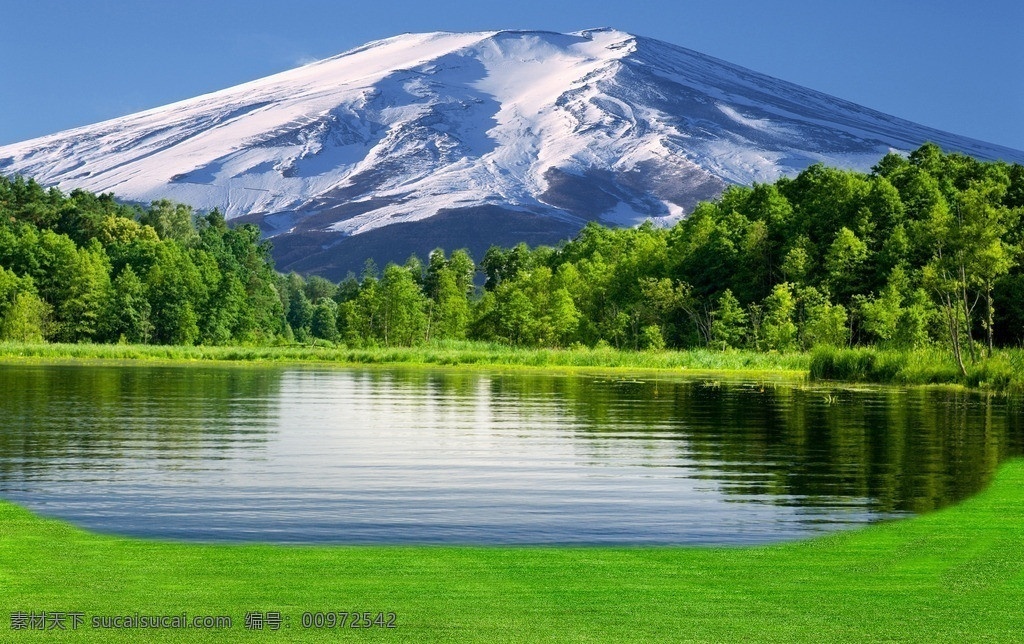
(740, 364)
(1003, 373)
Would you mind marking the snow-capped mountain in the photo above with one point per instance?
(468, 139)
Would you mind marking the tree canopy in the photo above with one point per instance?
(923, 249)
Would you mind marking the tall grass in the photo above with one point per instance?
(438, 353)
(1003, 371)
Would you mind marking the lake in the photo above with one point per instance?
(378, 455)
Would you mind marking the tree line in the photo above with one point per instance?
(85, 268)
(923, 249)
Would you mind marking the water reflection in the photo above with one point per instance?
(383, 455)
(111, 418)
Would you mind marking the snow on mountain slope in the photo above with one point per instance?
(476, 138)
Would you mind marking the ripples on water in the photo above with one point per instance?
(417, 456)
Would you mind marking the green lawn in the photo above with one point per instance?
(951, 576)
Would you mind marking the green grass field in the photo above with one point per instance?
(952, 576)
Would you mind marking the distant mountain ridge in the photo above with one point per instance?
(467, 139)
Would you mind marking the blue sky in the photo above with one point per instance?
(954, 65)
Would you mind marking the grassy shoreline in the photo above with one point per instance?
(1003, 372)
(448, 354)
(953, 575)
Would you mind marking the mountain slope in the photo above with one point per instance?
(470, 139)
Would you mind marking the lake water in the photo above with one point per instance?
(307, 455)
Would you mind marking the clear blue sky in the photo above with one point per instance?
(955, 65)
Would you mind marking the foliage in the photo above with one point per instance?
(924, 251)
(84, 268)
(930, 366)
(729, 322)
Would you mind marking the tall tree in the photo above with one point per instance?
(729, 322)
(130, 311)
(777, 326)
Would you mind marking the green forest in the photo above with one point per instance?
(924, 250)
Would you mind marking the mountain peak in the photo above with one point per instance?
(456, 139)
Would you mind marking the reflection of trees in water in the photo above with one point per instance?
(52, 415)
(526, 396)
(414, 382)
(905, 450)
